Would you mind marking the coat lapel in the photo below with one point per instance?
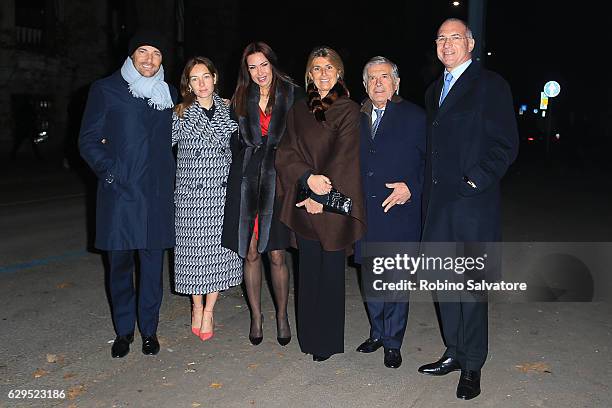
(282, 95)
(463, 85)
(252, 136)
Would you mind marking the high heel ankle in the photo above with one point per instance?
(196, 330)
(211, 333)
(257, 340)
(282, 338)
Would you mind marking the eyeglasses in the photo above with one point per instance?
(452, 39)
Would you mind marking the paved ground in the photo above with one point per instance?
(56, 329)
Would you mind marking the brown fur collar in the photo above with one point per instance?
(317, 105)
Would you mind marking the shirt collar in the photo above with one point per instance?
(459, 70)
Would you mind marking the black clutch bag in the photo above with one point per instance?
(334, 201)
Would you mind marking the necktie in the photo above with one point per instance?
(379, 114)
(447, 81)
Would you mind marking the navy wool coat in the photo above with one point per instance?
(396, 154)
(128, 144)
(472, 136)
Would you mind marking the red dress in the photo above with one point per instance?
(264, 121)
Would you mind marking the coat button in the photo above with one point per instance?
(435, 123)
(373, 196)
(370, 173)
(373, 151)
(198, 153)
(435, 153)
(224, 184)
(199, 185)
(435, 181)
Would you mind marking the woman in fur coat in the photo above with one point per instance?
(320, 150)
(262, 98)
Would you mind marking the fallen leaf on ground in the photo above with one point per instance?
(195, 404)
(64, 285)
(55, 358)
(75, 391)
(536, 367)
(253, 366)
(216, 385)
(281, 354)
(39, 373)
(68, 375)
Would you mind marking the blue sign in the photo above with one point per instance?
(552, 89)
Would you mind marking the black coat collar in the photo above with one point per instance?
(463, 84)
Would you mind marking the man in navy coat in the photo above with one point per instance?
(126, 139)
(392, 165)
(472, 138)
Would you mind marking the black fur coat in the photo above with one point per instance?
(252, 180)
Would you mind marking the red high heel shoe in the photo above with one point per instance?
(208, 335)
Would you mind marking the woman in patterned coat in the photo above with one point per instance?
(202, 129)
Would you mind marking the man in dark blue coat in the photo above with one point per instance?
(472, 138)
(392, 165)
(126, 139)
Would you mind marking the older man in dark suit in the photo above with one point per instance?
(472, 138)
(126, 139)
(392, 163)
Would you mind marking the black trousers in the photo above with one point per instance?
(465, 329)
(123, 295)
(320, 314)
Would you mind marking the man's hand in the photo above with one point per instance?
(400, 195)
(312, 207)
(319, 184)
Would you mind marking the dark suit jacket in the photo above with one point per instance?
(135, 167)
(472, 135)
(396, 154)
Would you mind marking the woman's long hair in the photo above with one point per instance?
(239, 100)
(188, 96)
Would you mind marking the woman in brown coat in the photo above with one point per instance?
(320, 149)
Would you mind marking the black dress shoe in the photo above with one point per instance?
(150, 345)
(393, 358)
(121, 345)
(469, 385)
(255, 340)
(370, 345)
(318, 358)
(443, 366)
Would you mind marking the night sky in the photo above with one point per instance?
(531, 42)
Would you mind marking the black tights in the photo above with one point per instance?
(280, 284)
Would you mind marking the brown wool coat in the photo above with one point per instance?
(330, 148)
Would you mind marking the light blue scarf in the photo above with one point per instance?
(153, 88)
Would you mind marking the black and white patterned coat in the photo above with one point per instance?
(202, 265)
